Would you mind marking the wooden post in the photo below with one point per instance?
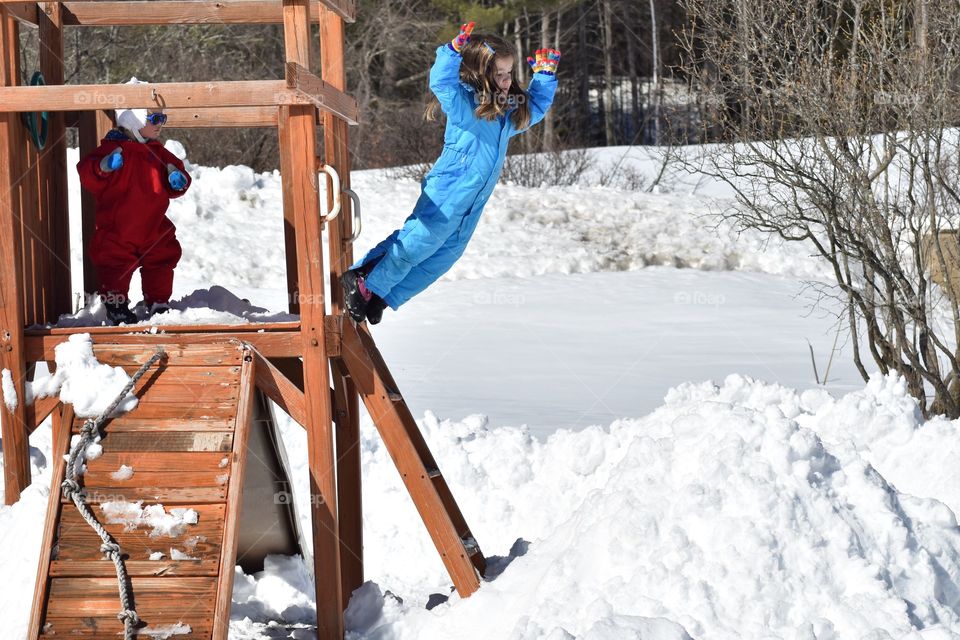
(347, 403)
(16, 458)
(53, 167)
(296, 41)
(93, 126)
(298, 130)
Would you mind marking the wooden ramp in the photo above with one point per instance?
(187, 445)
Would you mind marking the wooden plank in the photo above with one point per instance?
(323, 94)
(59, 447)
(280, 389)
(40, 410)
(103, 568)
(167, 441)
(146, 411)
(409, 452)
(156, 461)
(25, 12)
(16, 468)
(163, 391)
(77, 541)
(191, 95)
(89, 606)
(195, 12)
(166, 496)
(297, 133)
(231, 529)
(177, 355)
(345, 400)
(272, 344)
(93, 127)
(138, 423)
(53, 167)
(132, 12)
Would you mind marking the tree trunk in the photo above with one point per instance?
(584, 70)
(606, 21)
(655, 85)
(549, 136)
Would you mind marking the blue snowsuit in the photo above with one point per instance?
(435, 235)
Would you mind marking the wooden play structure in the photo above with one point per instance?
(204, 405)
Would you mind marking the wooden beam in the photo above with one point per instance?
(60, 446)
(190, 95)
(280, 389)
(16, 457)
(322, 94)
(231, 527)
(300, 87)
(276, 344)
(410, 453)
(101, 13)
(346, 401)
(203, 117)
(298, 130)
(133, 12)
(93, 127)
(40, 410)
(53, 169)
(25, 12)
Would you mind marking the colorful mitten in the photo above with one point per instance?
(463, 38)
(545, 62)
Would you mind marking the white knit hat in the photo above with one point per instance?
(132, 119)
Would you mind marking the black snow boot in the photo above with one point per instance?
(375, 309)
(120, 313)
(353, 298)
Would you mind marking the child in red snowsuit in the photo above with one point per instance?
(133, 177)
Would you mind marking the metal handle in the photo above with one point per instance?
(357, 220)
(335, 178)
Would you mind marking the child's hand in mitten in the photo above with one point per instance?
(112, 161)
(176, 178)
(546, 61)
(458, 43)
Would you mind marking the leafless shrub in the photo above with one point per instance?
(868, 91)
(551, 168)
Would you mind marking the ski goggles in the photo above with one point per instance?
(156, 119)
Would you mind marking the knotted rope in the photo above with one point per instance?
(71, 490)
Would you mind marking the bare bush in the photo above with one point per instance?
(868, 92)
(551, 168)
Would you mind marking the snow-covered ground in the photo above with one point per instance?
(620, 393)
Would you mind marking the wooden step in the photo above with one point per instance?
(78, 541)
(88, 606)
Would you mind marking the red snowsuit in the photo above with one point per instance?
(132, 229)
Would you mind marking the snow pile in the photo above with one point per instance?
(9, 390)
(161, 522)
(123, 473)
(83, 381)
(722, 514)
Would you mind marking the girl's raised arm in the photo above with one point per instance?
(543, 84)
(445, 78)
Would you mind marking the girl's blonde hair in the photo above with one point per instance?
(478, 70)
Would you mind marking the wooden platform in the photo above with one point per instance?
(186, 443)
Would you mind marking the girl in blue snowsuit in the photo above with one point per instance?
(474, 81)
